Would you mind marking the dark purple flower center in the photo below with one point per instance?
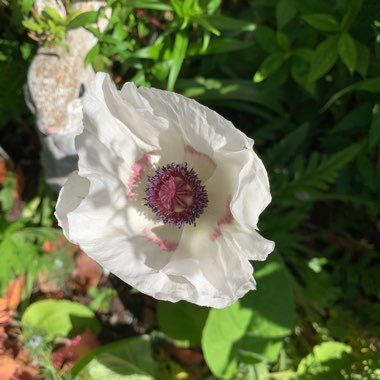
(176, 195)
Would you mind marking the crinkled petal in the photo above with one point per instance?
(106, 145)
(201, 127)
(73, 192)
(248, 241)
(217, 270)
(253, 194)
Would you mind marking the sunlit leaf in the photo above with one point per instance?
(256, 324)
(60, 317)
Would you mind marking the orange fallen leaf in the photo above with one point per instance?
(14, 292)
(12, 299)
(10, 369)
(3, 170)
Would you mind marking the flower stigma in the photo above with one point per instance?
(176, 195)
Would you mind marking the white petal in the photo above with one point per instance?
(219, 273)
(72, 193)
(253, 194)
(106, 145)
(202, 128)
(202, 163)
(248, 241)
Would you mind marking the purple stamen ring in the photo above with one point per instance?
(176, 195)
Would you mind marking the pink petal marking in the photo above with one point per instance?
(137, 171)
(227, 218)
(164, 245)
(189, 149)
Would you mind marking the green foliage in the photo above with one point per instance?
(182, 321)
(251, 330)
(126, 359)
(60, 318)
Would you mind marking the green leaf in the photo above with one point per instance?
(206, 25)
(347, 51)
(285, 12)
(323, 22)
(349, 17)
(270, 65)
(374, 131)
(289, 145)
(215, 90)
(283, 41)
(182, 320)
(53, 14)
(126, 359)
(218, 46)
(92, 54)
(60, 318)
(82, 19)
(321, 171)
(371, 85)
(222, 22)
(26, 6)
(29, 24)
(324, 59)
(150, 4)
(267, 39)
(325, 362)
(255, 325)
(363, 58)
(178, 55)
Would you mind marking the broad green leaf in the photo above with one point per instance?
(178, 55)
(325, 56)
(353, 9)
(374, 131)
(128, 359)
(253, 327)
(323, 22)
(60, 318)
(82, 19)
(182, 320)
(347, 51)
(285, 12)
(325, 362)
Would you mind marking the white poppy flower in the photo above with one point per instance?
(167, 196)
